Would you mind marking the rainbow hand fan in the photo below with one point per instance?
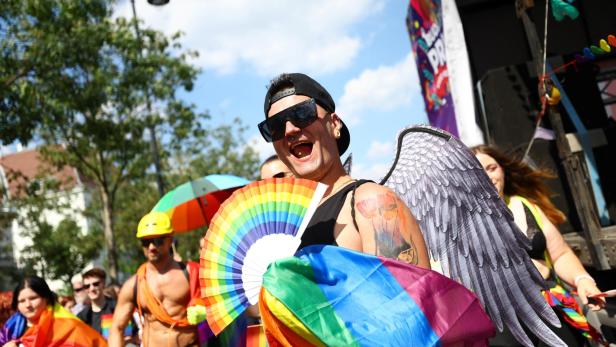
(260, 223)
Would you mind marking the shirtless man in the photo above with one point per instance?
(160, 289)
(309, 137)
(274, 167)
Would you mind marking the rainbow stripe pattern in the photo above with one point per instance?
(255, 336)
(59, 327)
(258, 224)
(331, 296)
(561, 299)
(107, 320)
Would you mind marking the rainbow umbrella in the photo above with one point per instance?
(193, 204)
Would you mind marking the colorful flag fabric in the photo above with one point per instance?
(255, 336)
(425, 25)
(545, 134)
(13, 328)
(331, 296)
(561, 299)
(107, 320)
(59, 327)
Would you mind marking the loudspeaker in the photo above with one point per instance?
(510, 106)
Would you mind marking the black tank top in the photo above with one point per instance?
(536, 236)
(320, 229)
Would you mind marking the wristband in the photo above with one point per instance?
(581, 277)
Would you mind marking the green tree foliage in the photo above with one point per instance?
(61, 252)
(72, 75)
(85, 80)
(56, 252)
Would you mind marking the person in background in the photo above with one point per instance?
(45, 322)
(67, 301)
(274, 167)
(528, 198)
(99, 313)
(6, 298)
(79, 293)
(112, 291)
(161, 290)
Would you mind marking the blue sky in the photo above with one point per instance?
(358, 49)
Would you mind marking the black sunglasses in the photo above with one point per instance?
(301, 115)
(93, 284)
(157, 241)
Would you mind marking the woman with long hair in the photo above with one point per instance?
(42, 321)
(525, 192)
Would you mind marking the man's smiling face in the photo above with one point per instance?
(308, 152)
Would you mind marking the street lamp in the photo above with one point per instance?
(152, 127)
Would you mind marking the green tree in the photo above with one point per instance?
(56, 252)
(73, 76)
(61, 252)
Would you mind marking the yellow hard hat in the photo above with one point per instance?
(154, 224)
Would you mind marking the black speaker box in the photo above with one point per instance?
(510, 107)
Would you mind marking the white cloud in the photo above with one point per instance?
(268, 36)
(373, 172)
(382, 89)
(380, 150)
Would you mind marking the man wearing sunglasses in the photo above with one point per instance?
(161, 290)
(79, 293)
(99, 313)
(309, 137)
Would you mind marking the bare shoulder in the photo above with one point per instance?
(127, 292)
(124, 309)
(370, 198)
(387, 226)
(371, 188)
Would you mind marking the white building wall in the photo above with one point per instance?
(77, 199)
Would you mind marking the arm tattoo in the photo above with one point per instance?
(389, 221)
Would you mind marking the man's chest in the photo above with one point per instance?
(171, 287)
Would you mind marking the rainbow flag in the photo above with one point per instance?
(255, 336)
(59, 327)
(331, 296)
(561, 299)
(107, 320)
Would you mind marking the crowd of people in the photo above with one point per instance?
(153, 307)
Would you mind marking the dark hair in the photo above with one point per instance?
(278, 84)
(269, 159)
(95, 272)
(522, 180)
(38, 285)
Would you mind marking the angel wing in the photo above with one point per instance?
(469, 229)
(348, 163)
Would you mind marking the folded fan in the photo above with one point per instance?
(258, 224)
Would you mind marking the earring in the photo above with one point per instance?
(337, 135)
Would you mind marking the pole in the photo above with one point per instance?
(151, 126)
(574, 167)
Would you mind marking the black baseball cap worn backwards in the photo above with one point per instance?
(304, 85)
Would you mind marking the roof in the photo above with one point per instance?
(20, 167)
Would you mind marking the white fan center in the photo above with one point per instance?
(263, 252)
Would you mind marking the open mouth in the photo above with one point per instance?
(301, 149)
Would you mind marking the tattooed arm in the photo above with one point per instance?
(387, 227)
